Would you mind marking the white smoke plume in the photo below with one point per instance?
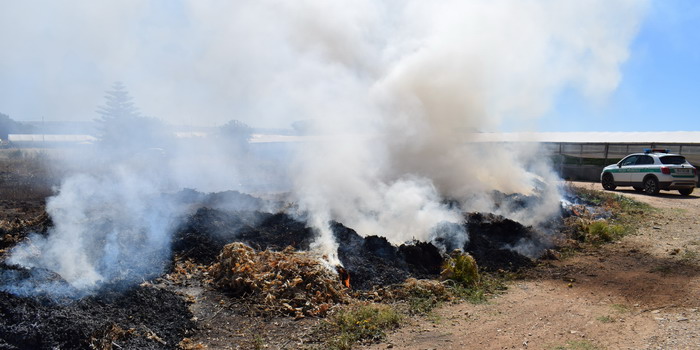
(395, 88)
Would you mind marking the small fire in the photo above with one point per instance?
(344, 276)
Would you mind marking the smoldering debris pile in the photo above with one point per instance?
(139, 318)
(498, 243)
(288, 282)
(495, 242)
(373, 261)
(13, 231)
(208, 230)
(257, 257)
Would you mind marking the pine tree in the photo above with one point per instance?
(121, 126)
(117, 115)
(119, 104)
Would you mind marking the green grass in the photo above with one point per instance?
(602, 231)
(258, 342)
(626, 216)
(361, 323)
(689, 255)
(577, 345)
(620, 308)
(619, 204)
(479, 293)
(422, 304)
(605, 319)
(662, 269)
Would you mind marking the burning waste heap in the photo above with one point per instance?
(264, 258)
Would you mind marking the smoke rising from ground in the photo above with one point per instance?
(396, 87)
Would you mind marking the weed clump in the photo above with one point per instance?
(602, 231)
(420, 296)
(461, 268)
(361, 323)
(596, 231)
(461, 273)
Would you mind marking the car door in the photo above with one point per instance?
(640, 168)
(624, 167)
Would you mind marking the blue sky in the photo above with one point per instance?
(660, 87)
(200, 57)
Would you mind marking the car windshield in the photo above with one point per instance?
(672, 160)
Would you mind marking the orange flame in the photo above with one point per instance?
(344, 276)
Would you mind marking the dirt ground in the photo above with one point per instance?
(642, 292)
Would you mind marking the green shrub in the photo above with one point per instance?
(461, 268)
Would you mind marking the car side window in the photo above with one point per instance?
(645, 160)
(631, 160)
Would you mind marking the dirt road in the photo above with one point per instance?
(642, 292)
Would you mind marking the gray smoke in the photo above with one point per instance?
(397, 90)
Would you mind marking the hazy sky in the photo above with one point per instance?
(201, 62)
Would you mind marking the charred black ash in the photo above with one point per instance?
(491, 238)
(139, 318)
(370, 261)
(226, 200)
(423, 259)
(208, 230)
(276, 232)
(373, 261)
(204, 233)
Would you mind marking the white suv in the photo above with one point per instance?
(650, 172)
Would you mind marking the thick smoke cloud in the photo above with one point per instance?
(396, 90)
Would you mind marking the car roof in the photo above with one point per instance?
(658, 154)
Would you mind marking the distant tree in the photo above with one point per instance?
(304, 126)
(236, 134)
(116, 115)
(121, 125)
(9, 126)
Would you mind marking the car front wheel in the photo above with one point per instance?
(651, 185)
(608, 182)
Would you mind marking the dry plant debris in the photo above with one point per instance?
(286, 282)
(412, 287)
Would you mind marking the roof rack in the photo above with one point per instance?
(656, 150)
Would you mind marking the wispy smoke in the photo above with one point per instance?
(111, 226)
(397, 88)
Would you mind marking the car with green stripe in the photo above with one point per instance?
(650, 172)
